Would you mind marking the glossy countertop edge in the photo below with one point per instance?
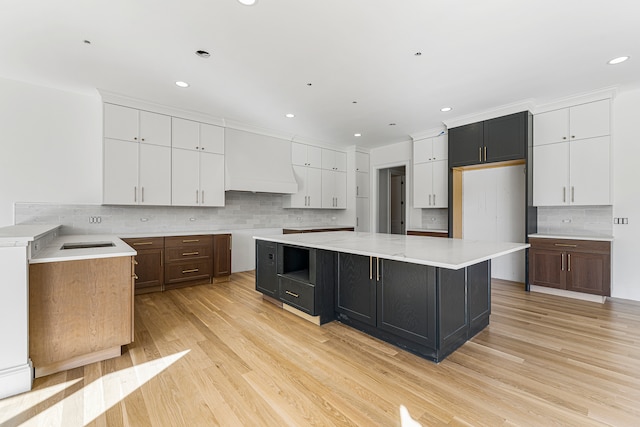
(53, 252)
(388, 246)
(571, 237)
(428, 230)
(174, 234)
(317, 227)
(21, 234)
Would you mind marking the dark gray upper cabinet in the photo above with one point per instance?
(496, 140)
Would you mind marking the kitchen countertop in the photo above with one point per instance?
(570, 236)
(173, 233)
(24, 233)
(52, 252)
(433, 251)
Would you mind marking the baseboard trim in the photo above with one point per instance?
(569, 294)
(16, 380)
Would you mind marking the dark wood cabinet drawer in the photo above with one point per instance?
(145, 243)
(190, 252)
(591, 246)
(187, 271)
(298, 294)
(187, 241)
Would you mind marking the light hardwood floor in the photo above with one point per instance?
(219, 355)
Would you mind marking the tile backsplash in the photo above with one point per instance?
(241, 211)
(589, 220)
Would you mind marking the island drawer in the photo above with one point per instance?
(297, 294)
(593, 246)
(187, 241)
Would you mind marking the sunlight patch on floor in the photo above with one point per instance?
(12, 406)
(96, 398)
(405, 418)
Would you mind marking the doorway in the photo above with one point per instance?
(392, 200)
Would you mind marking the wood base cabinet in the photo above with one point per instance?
(188, 259)
(573, 265)
(149, 263)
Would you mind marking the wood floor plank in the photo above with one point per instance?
(219, 355)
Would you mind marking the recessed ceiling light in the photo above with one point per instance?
(445, 109)
(289, 115)
(87, 42)
(392, 124)
(309, 84)
(203, 53)
(618, 60)
(417, 54)
(248, 2)
(182, 84)
(354, 102)
(357, 134)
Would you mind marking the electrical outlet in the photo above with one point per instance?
(95, 219)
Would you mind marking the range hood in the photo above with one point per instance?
(258, 163)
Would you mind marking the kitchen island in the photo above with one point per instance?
(427, 295)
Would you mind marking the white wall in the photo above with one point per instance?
(51, 147)
(626, 193)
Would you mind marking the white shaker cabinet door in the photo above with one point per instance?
(120, 122)
(440, 184)
(422, 185)
(211, 138)
(155, 128)
(155, 175)
(298, 154)
(185, 134)
(314, 187)
(328, 189)
(211, 179)
(590, 172)
(422, 150)
(340, 182)
(299, 199)
(551, 127)
(440, 149)
(362, 184)
(590, 120)
(551, 174)
(362, 162)
(314, 156)
(120, 172)
(362, 214)
(185, 186)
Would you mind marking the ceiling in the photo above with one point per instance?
(341, 66)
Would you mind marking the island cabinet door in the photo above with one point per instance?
(479, 296)
(266, 268)
(452, 316)
(356, 291)
(407, 301)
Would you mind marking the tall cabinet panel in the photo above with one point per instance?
(155, 181)
(120, 183)
(430, 173)
(362, 191)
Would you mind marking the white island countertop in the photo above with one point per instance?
(433, 251)
(53, 251)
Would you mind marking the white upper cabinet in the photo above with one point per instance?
(572, 173)
(130, 124)
(334, 189)
(306, 155)
(430, 149)
(334, 160)
(362, 184)
(362, 162)
(430, 172)
(582, 121)
(192, 135)
(197, 179)
(309, 193)
(136, 174)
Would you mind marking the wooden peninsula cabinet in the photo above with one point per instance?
(572, 265)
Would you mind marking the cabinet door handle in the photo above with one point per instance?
(357, 190)
(190, 240)
(193, 270)
(190, 253)
(564, 194)
(203, 197)
(561, 262)
(429, 199)
(370, 267)
(142, 190)
(485, 153)
(479, 154)
(572, 191)
(292, 294)
(135, 276)
(135, 262)
(377, 269)
(357, 221)
(142, 243)
(197, 197)
(568, 262)
(434, 200)
(565, 245)
(135, 194)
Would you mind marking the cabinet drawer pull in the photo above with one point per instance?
(292, 294)
(485, 153)
(377, 269)
(370, 268)
(190, 240)
(479, 154)
(193, 270)
(135, 262)
(565, 245)
(190, 253)
(142, 243)
(135, 276)
(568, 262)
(561, 262)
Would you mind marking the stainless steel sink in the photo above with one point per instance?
(86, 245)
